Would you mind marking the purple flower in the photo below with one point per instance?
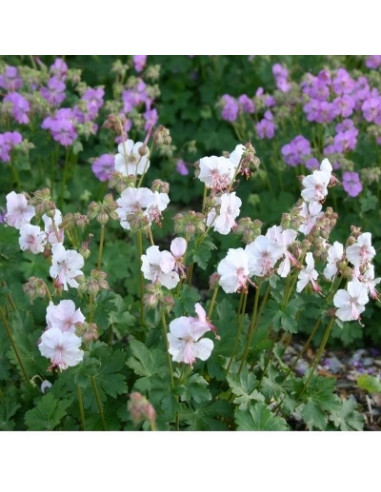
(343, 83)
(351, 183)
(317, 87)
(281, 77)
(181, 168)
(8, 140)
(345, 125)
(345, 105)
(345, 141)
(361, 92)
(103, 166)
(246, 104)
(20, 107)
(135, 96)
(321, 111)
(139, 62)
(54, 94)
(371, 108)
(59, 69)
(10, 79)
(312, 163)
(62, 126)
(230, 108)
(295, 151)
(266, 127)
(373, 61)
(151, 118)
(94, 101)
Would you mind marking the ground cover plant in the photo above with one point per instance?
(170, 225)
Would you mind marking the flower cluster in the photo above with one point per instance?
(59, 343)
(8, 141)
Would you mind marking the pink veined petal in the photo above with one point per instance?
(341, 298)
(181, 327)
(178, 247)
(203, 348)
(167, 261)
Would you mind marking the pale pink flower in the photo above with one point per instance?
(234, 271)
(128, 161)
(310, 213)
(367, 278)
(216, 172)
(64, 316)
(308, 275)
(335, 254)
(315, 186)
(158, 203)
(202, 323)
(263, 253)
(361, 252)
(49, 228)
(133, 202)
(351, 302)
(184, 340)
(158, 266)
(32, 239)
(222, 216)
(284, 238)
(62, 348)
(178, 249)
(19, 212)
(66, 266)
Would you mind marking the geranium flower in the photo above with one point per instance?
(315, 186)
(361, 252)
(308, 275)
(128, 160)
(32, 239)
(62, 348)
(234, 271)
(216, 172)
(64, 316)
(263, 254)
(351, 302)
(222, 216)
(158, 266)
(335, 254)
(184, 340)
(66, 266)
(19, 212)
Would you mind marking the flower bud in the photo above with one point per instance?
(160, 186)
(140, 408)
(35, 287)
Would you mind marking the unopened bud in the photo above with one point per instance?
(140, 408)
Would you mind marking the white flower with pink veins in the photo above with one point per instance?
(158, 266)
(361, 252)
(19, 212)
(184, 340)
(64, 316)
(335, 254)
(283, 237)
(178, 249)
(310, 213)
(222, 216)
(216, 172)
(315, 186)
(54, 233)
(62, 348)
(66, 266)
(308, 275)
(133, 201)
(128, 161)
(234, 271)
(351, 302)
(32, 239)
(263, 253)
(236, 155)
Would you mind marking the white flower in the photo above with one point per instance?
(158, 266)
(216, 172)
(316, 184)
(335, 254)
(49, 228)
(64, 316)
(66, 266)
(32, 239)
(367, 278)
(184, 340)
(351, 302)
(361, 252)
(234, 271)
(134, 202)
(159, 202)
(236, 155)
(308, 275)
(178, 249)
(18, 211)
(310, 213)
(263, 254)
(128, 160)
(284, 238)
(222, 216)
(62, 348)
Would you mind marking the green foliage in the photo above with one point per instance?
(259, 418)
(369, 383)
(48, 413)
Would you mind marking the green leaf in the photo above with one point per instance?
(320, 399)
(347, 418)
(8, 407)
(314, 416)
(108, 375)
(260, 418)
(184, 305)
(195, 389)
(146, 362)
(371, 384)
(244, 387)
(202, 254)
(213, 416)
(47, 414)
